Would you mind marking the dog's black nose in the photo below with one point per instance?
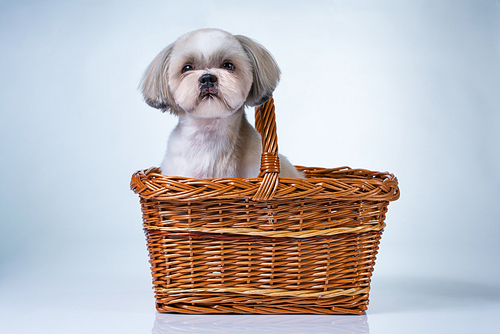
(208, 80)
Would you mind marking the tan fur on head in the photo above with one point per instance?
(266, 73)
(154, 83)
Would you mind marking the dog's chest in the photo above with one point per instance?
(213, 138)
(208, 149)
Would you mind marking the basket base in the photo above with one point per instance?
(213, 303)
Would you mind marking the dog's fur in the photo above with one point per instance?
(206, 78)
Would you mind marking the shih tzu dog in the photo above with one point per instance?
(206, 78)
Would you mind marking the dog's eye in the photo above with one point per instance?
(187, 68)
(228, 66)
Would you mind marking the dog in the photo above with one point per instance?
(207, 77)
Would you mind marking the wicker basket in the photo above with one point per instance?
(264, 245)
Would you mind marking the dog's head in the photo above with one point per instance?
(210, 73)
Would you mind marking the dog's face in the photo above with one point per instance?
(210, 73)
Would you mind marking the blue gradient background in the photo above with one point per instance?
(410, 87)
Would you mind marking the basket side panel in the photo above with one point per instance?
(187, 266)
(200, 273)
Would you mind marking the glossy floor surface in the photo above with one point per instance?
(40, 303)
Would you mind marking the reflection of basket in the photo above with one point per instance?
(264, 245)
(241, 324)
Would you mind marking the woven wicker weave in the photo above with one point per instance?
(264, 245)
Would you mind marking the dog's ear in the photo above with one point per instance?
(154, 83)
(266, 73)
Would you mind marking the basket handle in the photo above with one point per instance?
(265, 123)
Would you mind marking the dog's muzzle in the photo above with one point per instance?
(208, 85)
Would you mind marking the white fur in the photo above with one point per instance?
(213, 138)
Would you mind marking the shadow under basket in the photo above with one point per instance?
(264, 245)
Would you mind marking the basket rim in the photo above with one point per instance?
(342, 183)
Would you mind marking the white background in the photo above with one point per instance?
(410, 87)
